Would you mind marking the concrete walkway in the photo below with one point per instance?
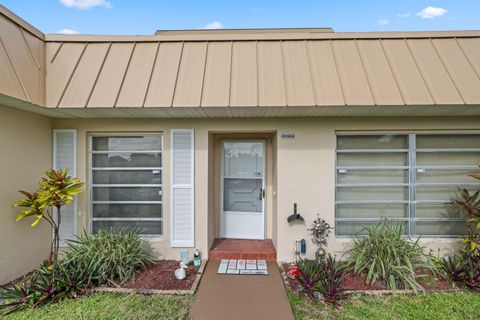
(231, 297)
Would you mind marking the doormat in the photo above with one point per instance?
(243, 267)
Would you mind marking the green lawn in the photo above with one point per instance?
(438, 306)
(111, 306)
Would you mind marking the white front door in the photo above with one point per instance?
(242, 189)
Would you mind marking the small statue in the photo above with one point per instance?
(180, 273)
(320, 230)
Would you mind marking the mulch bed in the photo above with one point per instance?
(355, 282)
(160, 276)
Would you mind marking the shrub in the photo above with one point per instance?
(111, 256)
(469, 203)
(325, 277)
(309, 276)
(464, 269)
(47, 284)
(385, 255)
(330, 284)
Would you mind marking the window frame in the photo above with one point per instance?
(411, 170)
(91, 185)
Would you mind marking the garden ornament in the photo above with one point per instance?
(320, 230)
(197, 261)
(180, 273)
(294, 272)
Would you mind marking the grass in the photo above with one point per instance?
(439, 306)
(111, 306)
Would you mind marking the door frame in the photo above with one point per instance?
(221, 230)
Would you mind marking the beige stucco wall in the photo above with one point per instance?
(25, 144)
(304, 170)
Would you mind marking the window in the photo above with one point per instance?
(126, 182)
(408, 178)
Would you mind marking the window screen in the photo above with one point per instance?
(407, 178)
(126, 183)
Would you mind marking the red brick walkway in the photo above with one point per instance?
(242, 249)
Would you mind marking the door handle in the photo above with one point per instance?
(261, 194)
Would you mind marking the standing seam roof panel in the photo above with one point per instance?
(438, 80)
(261, 73)
(36, 47)
(164, 75)
(188, 90)
(135, 85)
(271, 82)
(378, 71)
(410, 82)
(471, 48)
(23, 62)
(356, 88)
(51, 51)
(216, 87)
(9, 84)
(459, 69)
(297, 74)
(61, 70)
(109, 80)
(244, 81)
(83, 79)
(326, 84)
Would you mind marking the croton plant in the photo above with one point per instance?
(55, 191)
(470, 204)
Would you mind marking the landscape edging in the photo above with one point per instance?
(369, 292)
(191, 291)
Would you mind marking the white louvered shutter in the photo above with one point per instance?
(65, 157)
(182, 205)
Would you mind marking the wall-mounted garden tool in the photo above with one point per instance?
(295, 216)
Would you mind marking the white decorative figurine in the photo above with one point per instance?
(180, 273)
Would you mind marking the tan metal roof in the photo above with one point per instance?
(300, 72)
(240, 68)
(22, 59)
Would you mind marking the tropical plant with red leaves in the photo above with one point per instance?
(309, 275)
(464, 269)
(331, 280)
(470, 205)
(55, 191)
(323, 278)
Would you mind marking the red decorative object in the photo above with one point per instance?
(294, 272)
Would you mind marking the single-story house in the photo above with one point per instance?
(197, 135)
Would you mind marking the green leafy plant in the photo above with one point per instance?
(470, 205)
(324, 277)
(386, 256)
(464, 269)
(47, 284)
(330, 283)
(55, 191)
(110, 256)
(310, 274)
(16, 296)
